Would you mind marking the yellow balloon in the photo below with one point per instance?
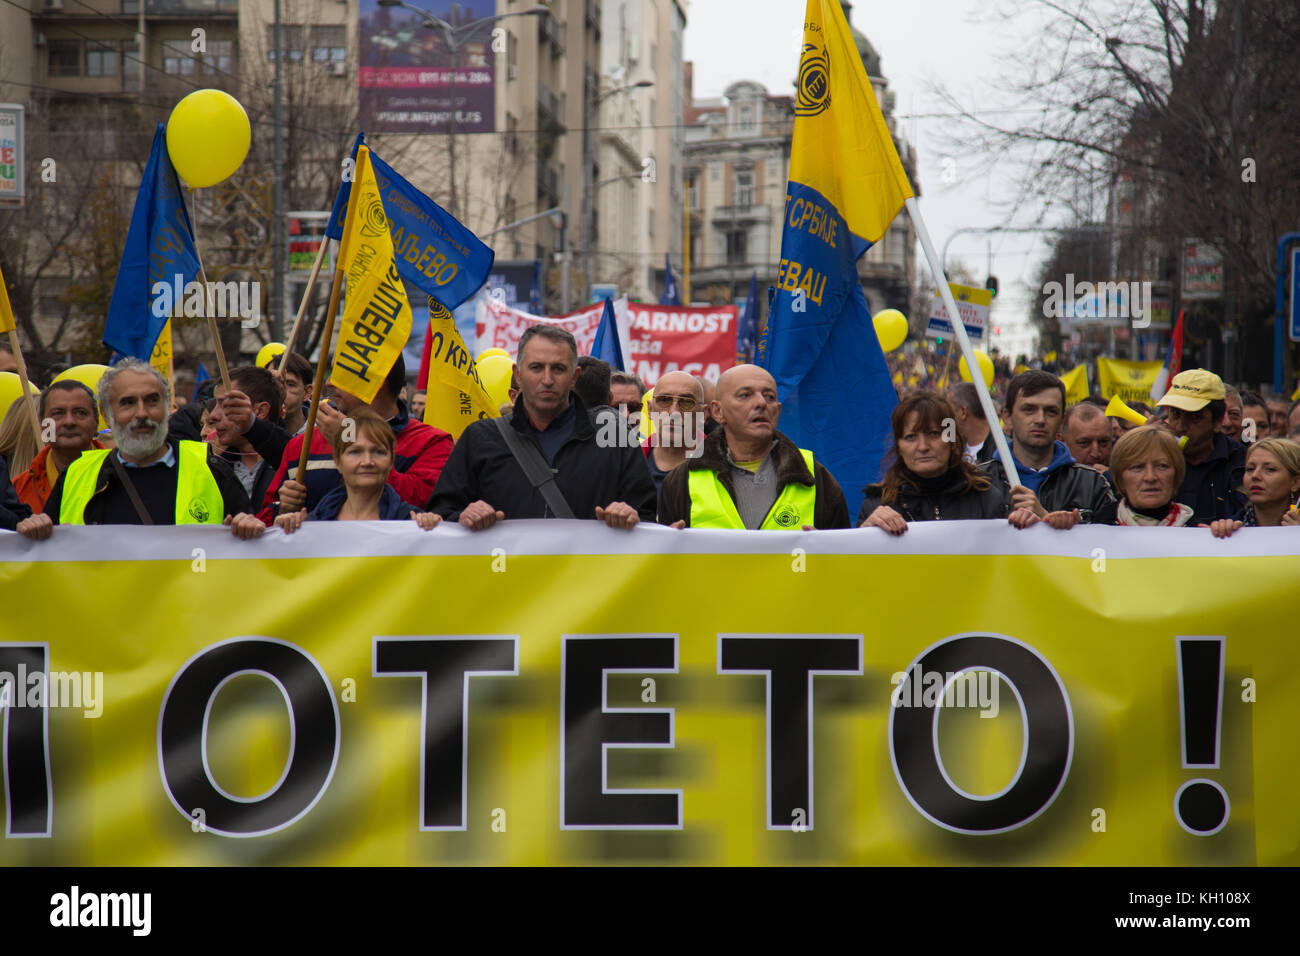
(208, 136)
(11, 389)
(494, 372)
(983, 361)
(495, 351)
(891, 328)
(89, 376)
(268, 352)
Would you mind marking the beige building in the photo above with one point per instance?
(737, 163)
(638, 143)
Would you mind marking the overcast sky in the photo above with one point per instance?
(956, 42)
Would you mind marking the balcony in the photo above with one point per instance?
(746, 213)
(180, 8)
(551, 30)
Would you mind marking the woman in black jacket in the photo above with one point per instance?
(928, 479)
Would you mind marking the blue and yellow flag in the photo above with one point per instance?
(846, 186)
(377, 317)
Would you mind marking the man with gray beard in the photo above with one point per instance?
(148, 479)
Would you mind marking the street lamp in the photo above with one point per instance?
(588, 197)
(454, 37)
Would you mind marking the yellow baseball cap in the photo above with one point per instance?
(1193, 390)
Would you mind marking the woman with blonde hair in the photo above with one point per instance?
(1148, 468)
(1272, 485)
(18, 444)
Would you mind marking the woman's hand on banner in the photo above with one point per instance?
(427, 520)
(1023, 517)
(291, 522)
(887, 519)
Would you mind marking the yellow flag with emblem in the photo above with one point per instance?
(6, 310)
(377, 314)
(455, 396)
(1076, 384)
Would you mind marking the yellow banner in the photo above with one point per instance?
(513, 714)
(1076, 384)
(161, 359)
(455, 396)
(1131, 381)
(6, 310)
(377, 316)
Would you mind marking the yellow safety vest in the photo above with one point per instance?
(712, 506)
(198, 499)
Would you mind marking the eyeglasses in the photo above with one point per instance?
(684, 402)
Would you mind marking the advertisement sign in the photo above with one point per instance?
(972, 302)
(13, 184)
(418, 79)
(1202, 270)
(306, 233)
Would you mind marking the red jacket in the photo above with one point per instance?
(419, 455)
(33, 485)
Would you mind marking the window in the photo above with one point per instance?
(744, 188)
(745, 119)
(329, 44)
(693, 189)
(65, 57)
(177, 58)
(130, 6)
(220, 57)
(290, 41)
(101, 58)
(736, 248)
(130, 64)
(512, 135)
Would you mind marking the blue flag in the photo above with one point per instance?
(747, 331)
(434, 252)
(199, 379)
(670, 296)
(606, 346)
(846, 185)
(159, 248)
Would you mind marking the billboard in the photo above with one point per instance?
(12, 183)
(427, 74)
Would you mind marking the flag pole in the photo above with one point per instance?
(318, 381)
(959, 330)
(306, 297)
(17, 349)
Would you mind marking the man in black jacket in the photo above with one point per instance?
(1050, 478)
(1215, 463)
(483, 483)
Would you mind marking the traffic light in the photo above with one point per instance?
(991, 283)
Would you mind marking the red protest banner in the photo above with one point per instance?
(666, 338)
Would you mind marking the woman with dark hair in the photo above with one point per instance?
(928, 480)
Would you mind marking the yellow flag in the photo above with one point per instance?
(1076, 384)
(455, 396)
(6, 310)
(161, 359)
(377, 316)
(842, 146)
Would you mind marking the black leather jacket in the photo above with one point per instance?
(945, 498)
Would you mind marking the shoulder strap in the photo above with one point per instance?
(536, 470)
(130, 489)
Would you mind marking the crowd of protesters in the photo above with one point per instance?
(1208, 455)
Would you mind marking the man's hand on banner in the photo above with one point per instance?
(293, 496)
(1022, 497)
(1063, 520)
(1023, 517)
(37, 527)
(244, 526)
(479, 516)
(618, 515)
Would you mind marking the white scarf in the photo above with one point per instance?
(1179, 515)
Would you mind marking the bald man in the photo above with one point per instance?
(1087, 434)
(678, 412)
(750, 476)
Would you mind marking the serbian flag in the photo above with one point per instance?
(1173, 361)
